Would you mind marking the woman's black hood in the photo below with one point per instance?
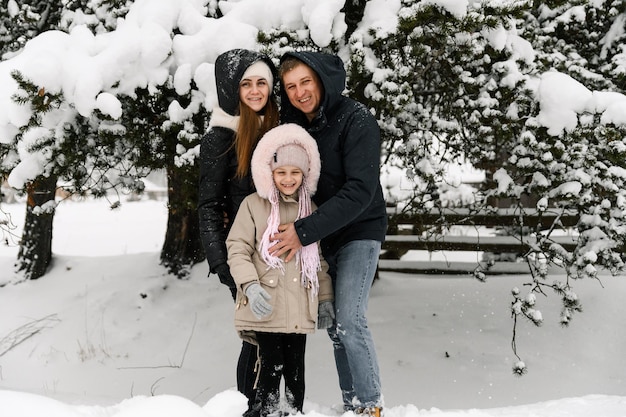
(229, 69)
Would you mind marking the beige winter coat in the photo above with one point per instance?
(293, 309)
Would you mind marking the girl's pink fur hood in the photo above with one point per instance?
(279, 136)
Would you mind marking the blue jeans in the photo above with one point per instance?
(353, 268)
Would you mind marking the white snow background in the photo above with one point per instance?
(107, 333)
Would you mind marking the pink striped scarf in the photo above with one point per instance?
(307, 257)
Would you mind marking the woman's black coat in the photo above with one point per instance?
(220, 192)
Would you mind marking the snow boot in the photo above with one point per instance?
(369, 411)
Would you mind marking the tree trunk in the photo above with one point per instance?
(35, 253)
(182, 247)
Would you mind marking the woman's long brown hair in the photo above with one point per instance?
(250, 131)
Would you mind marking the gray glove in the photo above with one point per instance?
(258, 299)
(325, 315)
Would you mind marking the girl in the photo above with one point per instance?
(279, 300)
(247, 109)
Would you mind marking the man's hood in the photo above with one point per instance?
(332, 75)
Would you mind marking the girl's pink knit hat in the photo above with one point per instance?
(288, 144)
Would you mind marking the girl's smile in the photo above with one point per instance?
(288, 179)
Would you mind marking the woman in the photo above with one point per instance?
(247, 109)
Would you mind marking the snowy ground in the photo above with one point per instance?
(107, 334)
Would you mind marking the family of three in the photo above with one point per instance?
(292, 218)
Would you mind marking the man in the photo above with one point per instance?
(351, 220)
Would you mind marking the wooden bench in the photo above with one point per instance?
(451, 231)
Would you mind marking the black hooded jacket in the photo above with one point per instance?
(220, 192)
(349, 196)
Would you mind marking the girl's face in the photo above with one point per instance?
(287, 179)
(254, 92)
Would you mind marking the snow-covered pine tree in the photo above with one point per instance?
(96, 155)
(73, 153)
(446, 89)
(35, 252)
(443, 92)
(155, 142)
(19, 23)
(152, 142)
(577, 169)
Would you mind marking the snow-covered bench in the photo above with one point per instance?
(456, 240)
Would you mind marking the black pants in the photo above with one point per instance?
(246, 375)
(282, 355)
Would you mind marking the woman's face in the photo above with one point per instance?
(254, 92)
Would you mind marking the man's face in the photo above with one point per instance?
(304, 90)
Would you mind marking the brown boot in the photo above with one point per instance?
(369, 411)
